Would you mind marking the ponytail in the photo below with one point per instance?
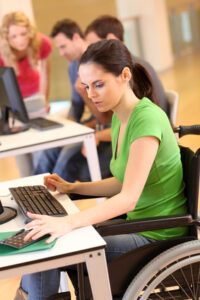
(142, 83)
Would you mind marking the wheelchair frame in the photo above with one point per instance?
(168, 269)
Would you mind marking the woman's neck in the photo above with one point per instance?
(20, 54)
(83, 45)
(126, 105)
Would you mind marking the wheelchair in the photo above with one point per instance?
(168, 269)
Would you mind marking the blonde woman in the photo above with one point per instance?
(27, 51)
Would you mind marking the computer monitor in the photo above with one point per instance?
(11, 102)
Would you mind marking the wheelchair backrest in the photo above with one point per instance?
(191, 167)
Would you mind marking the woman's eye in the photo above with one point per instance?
(99, 85)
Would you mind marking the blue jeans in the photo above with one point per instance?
(41, 285)
(70, 164)
(56, 160)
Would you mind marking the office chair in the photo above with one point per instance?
(168, 269)
(172, 99)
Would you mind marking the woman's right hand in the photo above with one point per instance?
(56, 183)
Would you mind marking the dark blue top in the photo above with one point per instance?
(77, 103)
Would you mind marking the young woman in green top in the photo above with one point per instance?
(146, 166)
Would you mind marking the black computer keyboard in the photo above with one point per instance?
(44, 124)
(38, 200)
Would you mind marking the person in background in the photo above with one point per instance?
(109, 27)
(146, 166)
(27, 51)
(69, 40)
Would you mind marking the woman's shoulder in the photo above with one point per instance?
(43, 38)
(147, 107)
(148, 114)
(45, 45)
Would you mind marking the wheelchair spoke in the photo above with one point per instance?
(198, 284)
(182, 289)
(170, 294)
(191, 271)
(187, 283)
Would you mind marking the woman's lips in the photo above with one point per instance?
(97, 103)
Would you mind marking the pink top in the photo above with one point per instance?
(29, 78)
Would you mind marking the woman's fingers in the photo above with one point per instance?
(53, 181)
(31, 234)
(34, 216)
(37, 220)
(39, 229)
(36, 234)
(49, 185)
(51, 239)
(42, 225)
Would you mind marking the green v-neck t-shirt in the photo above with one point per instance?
(163, 193)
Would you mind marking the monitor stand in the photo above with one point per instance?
(5, 128)
(7, 213)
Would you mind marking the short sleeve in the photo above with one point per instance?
(147, 123)
(45, 47)
(1, 61)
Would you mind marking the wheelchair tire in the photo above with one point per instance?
(174, 274)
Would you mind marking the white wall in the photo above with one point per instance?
(154, 27)
(14, 5)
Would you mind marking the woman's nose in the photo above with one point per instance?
(91, 93)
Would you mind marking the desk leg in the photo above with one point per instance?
(92, 157)
(98, 275)
(25, 164)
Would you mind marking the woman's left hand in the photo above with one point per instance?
(42, 225)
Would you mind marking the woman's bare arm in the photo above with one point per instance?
(105, 188)
(142, 154)
(44, 79)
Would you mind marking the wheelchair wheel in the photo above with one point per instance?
(174, 274)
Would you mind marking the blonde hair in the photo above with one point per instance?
(20, 19)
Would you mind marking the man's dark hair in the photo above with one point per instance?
(67, 27)
(104, 25)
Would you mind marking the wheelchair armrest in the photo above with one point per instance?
(80, 197)
(119, 226)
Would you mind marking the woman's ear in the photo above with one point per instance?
(126, 74)
(112, 36)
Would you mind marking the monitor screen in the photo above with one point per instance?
(10, 96)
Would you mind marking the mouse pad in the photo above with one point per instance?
(39, 245)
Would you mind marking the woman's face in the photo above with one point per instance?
(103, 88)
(18, 37)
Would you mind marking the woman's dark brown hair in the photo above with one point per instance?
(113, 57)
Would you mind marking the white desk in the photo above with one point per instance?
(81, 245)
(34, 140)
